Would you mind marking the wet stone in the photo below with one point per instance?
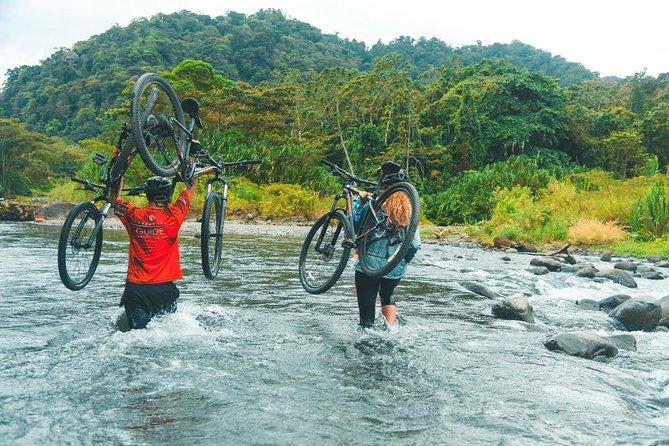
(583, 344)
(588, 304)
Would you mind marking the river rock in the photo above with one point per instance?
(539, 270)
(514, 308)
(606, 257)
(623, 341)
(639, 313)
(664, 303)
(654, 259)
(16, 211)
(588, 271)
(547, 262)
(626, 265)
(55, 210)
(506, 258)
(652, 275)
(618, 276)
(663, 264)
(640, 269)
(502, 242)
(588, 304)
(611, 302)
(569, 269)
(525, 248)
(582, 343)
(479, 289)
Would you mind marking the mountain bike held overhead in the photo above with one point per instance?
(169, 149)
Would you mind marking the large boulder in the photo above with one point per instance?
(664, 303)
(626, 265)
(588, 271)
(549, 263)
(514, 308)
(16, 211)
(538, 270)
(54, 210)
(582, 343)
(502, 242)
(618, 276)
(639, 313)
(479, 289)
(609, 303)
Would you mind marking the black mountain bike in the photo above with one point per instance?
(80, 243)
(213, 214)
(328, 244)
(166, 145)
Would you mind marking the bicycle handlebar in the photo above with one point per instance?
(87, 184)
(336, 170)
(239, 163)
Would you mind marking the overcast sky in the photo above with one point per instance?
(614, 37)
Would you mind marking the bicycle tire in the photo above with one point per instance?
(320, 270)
(154, 103)
(120, 163)
(398, 240)
(77, 263)
(211, 243)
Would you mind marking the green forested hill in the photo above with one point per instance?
(69, 92)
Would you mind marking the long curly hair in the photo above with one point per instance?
(398, 208)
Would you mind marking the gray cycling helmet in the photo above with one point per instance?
(159, 190)
(392, 173)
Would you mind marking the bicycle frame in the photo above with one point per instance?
(347, 194)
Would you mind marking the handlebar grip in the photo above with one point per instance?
(79, 180)
(252, 161)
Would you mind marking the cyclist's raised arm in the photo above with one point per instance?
(115, 193)
(190, 191)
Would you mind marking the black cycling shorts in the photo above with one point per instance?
(143, 301)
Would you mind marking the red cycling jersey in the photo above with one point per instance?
(153, 254)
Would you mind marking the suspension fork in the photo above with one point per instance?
(335, 236)
(98, 226)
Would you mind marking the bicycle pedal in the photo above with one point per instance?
(99, 158)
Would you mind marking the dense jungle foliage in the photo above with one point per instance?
(481, 129)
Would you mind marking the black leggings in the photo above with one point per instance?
(366, 289)
(143, 301)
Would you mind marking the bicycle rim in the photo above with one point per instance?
(153, 108)
(387, 233)
(323, 258)
(78, 254)
(213, 216)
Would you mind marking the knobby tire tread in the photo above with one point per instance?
(63, 246)
(137, 130)
(368, 222)
(346, 252)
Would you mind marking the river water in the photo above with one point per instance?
(251, 358)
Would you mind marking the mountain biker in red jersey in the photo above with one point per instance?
(153, 253)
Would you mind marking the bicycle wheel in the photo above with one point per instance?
(78, 253)
(211, 234)
(387, 233)
(153, 110)
(323, 257)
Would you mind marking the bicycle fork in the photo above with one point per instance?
(103, 215)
